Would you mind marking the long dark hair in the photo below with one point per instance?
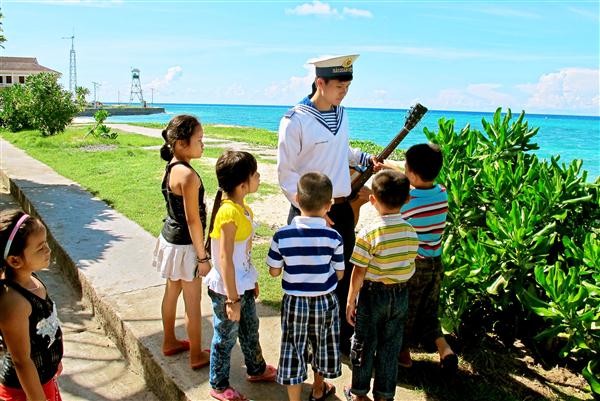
(180, 127)
(233, 168)
(8, 220)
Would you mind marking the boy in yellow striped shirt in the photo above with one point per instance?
(384, 260)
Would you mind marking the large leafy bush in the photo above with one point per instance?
(522, 251)
(15, 108)
(52, 107)
(41, 103)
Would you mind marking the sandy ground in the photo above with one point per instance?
(272, 209)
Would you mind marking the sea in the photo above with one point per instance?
(571, 137)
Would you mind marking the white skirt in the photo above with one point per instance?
(175, 262)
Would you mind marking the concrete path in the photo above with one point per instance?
(94, 368)
(263, 151)
(109, 258)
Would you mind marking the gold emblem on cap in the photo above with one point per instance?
(347, 63)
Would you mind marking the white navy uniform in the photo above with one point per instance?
(306, 144)
(310, 140)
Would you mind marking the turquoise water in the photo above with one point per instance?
(571, 137)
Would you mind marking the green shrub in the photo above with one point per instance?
(52, 107)
(522, 249)
(374, 149)
(100, 130)
(15, 108)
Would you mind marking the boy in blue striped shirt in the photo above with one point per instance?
(426, 211)
(311, 256)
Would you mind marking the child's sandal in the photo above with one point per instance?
(229, 394)
(267, 376)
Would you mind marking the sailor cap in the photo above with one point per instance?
(334, 67)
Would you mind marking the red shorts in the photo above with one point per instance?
(16, 394)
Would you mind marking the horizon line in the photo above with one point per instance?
(504, 110)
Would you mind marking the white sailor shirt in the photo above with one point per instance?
(307, 145)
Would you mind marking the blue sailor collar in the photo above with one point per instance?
(308, 107)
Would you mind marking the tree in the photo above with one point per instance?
(52, 107)
(80, 94)
(15, 108)
(2, 37)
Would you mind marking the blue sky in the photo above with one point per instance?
(541, 56)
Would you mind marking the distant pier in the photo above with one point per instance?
(122, 111)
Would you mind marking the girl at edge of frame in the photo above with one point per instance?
(180, 255)
(28, 317)
(232, 284)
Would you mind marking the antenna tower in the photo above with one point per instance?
(72, 66)
(136, 86)
(96, 85)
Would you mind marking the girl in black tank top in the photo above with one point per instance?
(175, 230)
(28, 318)
(180, 255)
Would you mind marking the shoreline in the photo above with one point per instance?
(279, 106)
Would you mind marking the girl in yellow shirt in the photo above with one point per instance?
(232, 283)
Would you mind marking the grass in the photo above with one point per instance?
(105, 168)
(254, 136)
(263, 137)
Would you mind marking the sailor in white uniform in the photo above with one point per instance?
(313, 136)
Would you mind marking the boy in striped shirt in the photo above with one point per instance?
(311, 256)
(426, 211)
(384, 260)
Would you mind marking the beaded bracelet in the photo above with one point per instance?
(232, 302)
(202, 260)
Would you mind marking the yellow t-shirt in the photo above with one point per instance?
(231, 212)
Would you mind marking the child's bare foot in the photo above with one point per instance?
(201, 360)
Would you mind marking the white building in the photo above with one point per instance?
(14, 70)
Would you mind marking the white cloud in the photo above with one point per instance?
(86, 3)
(508, 12)
(483, 96)
(234, 91)
(585, 13)
(291, 90)
(163, 83)
(569, 89)
(314, 8)
(325, 10)
(356, 12)
(489, 93)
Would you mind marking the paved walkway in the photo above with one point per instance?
(94, 368)
(109, 257)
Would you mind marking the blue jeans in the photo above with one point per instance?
(226, 332)
(377, 338)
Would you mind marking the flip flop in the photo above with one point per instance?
(327, 391)
(449, 363)
(230, 394)
(200, 365)
(183, 346)
(349, 396)
(267, 376)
